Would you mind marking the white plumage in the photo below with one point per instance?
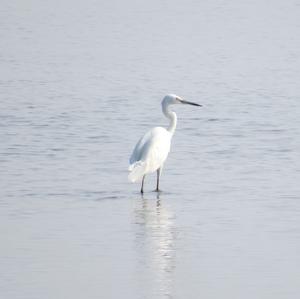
(153, 148)
(150, 153)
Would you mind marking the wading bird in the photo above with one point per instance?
(153, 148)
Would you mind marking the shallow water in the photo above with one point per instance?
(81, 82)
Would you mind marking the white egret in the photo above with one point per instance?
(153, 148)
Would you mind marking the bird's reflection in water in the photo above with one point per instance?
(155, 238)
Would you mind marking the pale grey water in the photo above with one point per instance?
(81, 81)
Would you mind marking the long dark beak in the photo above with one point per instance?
(190, 103)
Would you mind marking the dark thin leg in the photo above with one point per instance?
(157, 181)
(142, 189)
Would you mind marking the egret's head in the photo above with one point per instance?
(172, 99)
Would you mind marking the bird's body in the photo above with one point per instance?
(150, 153)
(153, 148)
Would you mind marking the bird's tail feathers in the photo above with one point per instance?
(137, 171)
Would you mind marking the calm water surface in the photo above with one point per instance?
(81, 81)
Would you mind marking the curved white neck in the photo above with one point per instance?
(172, 117)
